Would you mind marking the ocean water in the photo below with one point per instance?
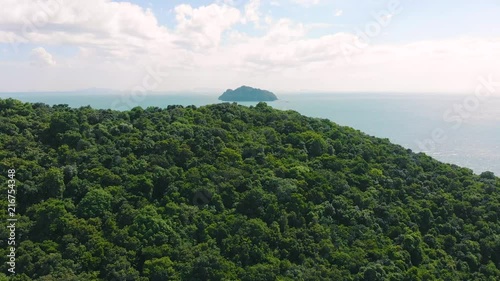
(462, 130)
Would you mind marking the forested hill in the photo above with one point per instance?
(227, 192)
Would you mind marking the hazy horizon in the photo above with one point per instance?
(218, 92)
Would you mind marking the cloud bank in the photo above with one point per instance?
(101, 43)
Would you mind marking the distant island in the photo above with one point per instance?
(245, 93)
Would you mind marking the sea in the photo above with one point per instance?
(458, 129)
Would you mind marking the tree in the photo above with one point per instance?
(95, 204)
(52, 184)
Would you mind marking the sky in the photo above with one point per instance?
(404, 46)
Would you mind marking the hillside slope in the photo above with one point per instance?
(226, 192)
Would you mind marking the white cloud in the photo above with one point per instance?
(252, 13)
(116, 41)
(40, 57)
(202, 27)
(306, 3)
(108, 25)
(284, 30)
(226, 2)
(338, 12)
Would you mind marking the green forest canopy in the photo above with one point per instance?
(227, 192)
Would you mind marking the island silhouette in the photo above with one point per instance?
(246, 93)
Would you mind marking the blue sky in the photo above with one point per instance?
(283, 45)
(420, 20)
